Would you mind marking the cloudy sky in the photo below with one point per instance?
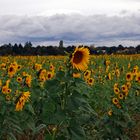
(99, 22)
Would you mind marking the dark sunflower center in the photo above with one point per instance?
(123, 88)
(117, 90)
(115, 101)
(121, 96)
(78, 56)
(90, 80)
(49, 75)
(86, 73)
(19, 79)
(128, 76)
(11, 69)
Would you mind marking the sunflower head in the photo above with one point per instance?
(129, 76)
(80, 58)
(138, 77)
(87, 74)
(115, 101)
(110, 112)
(49, 75)
(76, 75)
(116, 90)
(120, 96)
(124, 88)
(90, 81)
(19, 79)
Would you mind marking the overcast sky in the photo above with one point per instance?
(101, 22)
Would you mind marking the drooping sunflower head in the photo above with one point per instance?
(80, 58)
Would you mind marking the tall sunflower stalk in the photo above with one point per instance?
(69, 99)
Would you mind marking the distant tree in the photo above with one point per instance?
(61, 44)
(138, 48)
(120, 47)
(28, 44)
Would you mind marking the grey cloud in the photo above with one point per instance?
(96, 28)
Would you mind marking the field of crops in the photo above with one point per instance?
(75, 97)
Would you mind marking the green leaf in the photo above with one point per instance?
(77, 133)
(30, 108)
(11, 136)
(39, 128)
(48, 137)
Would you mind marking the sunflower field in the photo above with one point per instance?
(74, 97)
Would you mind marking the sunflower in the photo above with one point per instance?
(4, 89)
(19, 79)
(3, 66)
(107, 62)
(24, 73)
(125, 94)
(60, 68)
(16, 92)
(28, 80)
(42, 78)
(52, 68)
(8, 97)
(22, 100)
(137, 92)
(138, 77)
(76, 75)
(117, 72)
(37, 67)
(9, 90)
(135, 69)
(49, 75)
(109, 76)
(119, 106)
(129, 76)
(90, 81)
(11, 71)
(115, 101)
(116, 90)
(124, 88)
(80, 58)
(107, 69)
(120, 96)
(7, 83)
(116, 85)
(110, 112)
(87, 74)
(18, 67)
(113, 72)
(128, 84)
(129, 65)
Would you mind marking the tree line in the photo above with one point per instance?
(29, 49)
